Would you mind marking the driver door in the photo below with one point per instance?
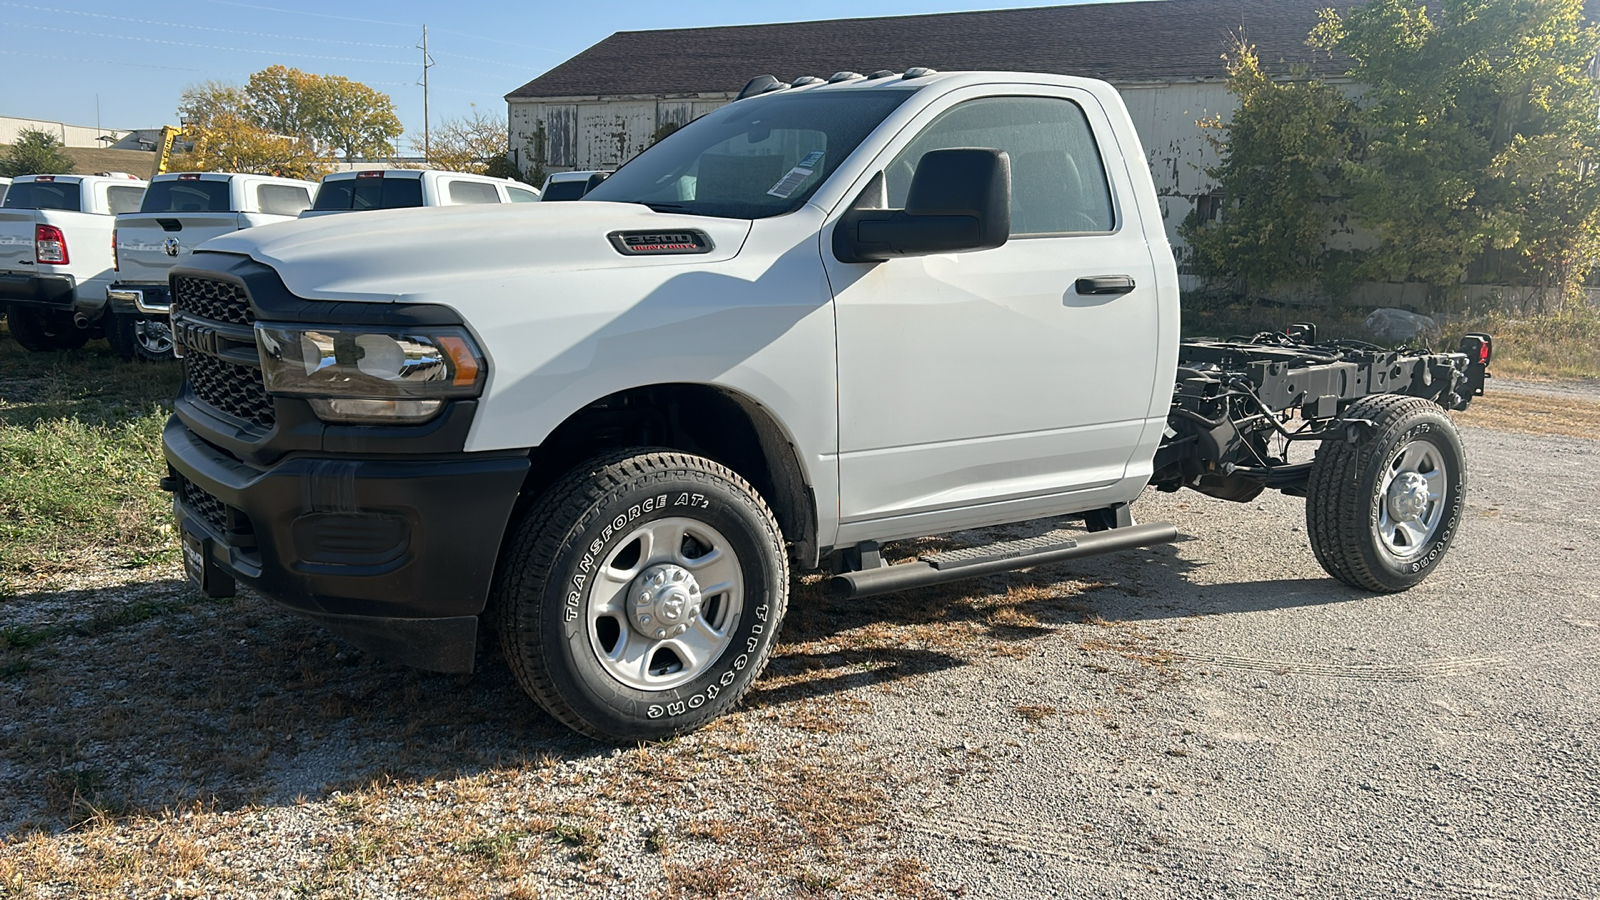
(999, 376)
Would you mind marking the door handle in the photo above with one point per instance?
(1104, 284)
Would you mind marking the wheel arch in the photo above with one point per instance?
(707, 420)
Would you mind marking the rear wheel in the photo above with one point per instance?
(41, 331)
(640, 597)
(1385, 500)
(136, 336)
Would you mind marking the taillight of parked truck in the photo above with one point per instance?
(50, 245)
(116, 264)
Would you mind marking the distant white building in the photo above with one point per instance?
(603, 106)
(69, 135)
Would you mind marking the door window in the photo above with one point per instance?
(1058, 183)
(519, 195)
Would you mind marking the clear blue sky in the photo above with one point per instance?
(55, 58)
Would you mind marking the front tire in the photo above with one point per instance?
(136, 336)
(1384, 500)
(41, 331)
(641, 595)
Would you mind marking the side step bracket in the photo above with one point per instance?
(955, 565)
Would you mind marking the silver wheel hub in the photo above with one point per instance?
(665, 601)
(664, 604)
(1408, 497)
(1415, 492)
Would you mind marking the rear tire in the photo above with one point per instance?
(41, 331)
(136, 336)
(1384, 502)
(641, 595)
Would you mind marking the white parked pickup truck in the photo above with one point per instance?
(405, 188)
(561, 186)
(181, 211)
(55, 255)
(828, 315)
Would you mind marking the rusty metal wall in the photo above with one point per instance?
(595, 134)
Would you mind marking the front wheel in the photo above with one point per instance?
(1385, 499)
(640, 597)
(136, 336)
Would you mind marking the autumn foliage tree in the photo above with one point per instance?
(287, 121)
(476, 143)
(337, 113)
(229, 143)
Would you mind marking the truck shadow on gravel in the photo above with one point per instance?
(137, 699)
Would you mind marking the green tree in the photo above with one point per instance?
(1283, 156)
(1483, 135)
(36, 153)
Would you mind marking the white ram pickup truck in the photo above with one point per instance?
(406, 188)
(56, 257)
(180, 211)
(833, 314)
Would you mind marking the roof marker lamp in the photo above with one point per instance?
(354, 376)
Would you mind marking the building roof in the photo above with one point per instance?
(1119, 42)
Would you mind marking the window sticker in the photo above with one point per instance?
(790, 183)
(811, 160)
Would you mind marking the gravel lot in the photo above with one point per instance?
(1213, 718)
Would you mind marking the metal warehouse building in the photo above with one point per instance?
(606, 104)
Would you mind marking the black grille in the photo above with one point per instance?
(207, 507)
(219, 301)
(234, 389)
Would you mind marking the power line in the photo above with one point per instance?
(289, 37)
(106, 62)
(477, 37)
(129, 37)
(298, 12)
(492, 62)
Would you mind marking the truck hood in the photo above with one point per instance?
(392, 255)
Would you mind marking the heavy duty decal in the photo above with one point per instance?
(660, 243)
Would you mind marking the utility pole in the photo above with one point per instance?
(427, 63)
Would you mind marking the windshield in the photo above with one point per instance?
(752, 159)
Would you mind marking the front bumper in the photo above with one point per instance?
(395, 555)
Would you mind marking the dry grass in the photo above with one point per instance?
(1533, 414)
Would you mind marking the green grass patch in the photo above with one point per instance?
(80, 462)
(1561, 345)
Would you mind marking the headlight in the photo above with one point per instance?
(362, 376)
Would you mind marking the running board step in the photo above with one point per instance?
(955, 565)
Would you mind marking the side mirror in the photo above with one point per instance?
(959, 200)
(594, 181)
